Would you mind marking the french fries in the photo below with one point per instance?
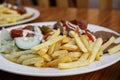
(27, 15)
(96, 48)
(74, 64)
(108, 43)
(25, 57)
(56, 33)
(51, 49)
(82, 61)
(55, 62)
(48, 43)
(8, 15)
(64, 52)
(74, 55)
(31, 61)
(99, 54)
(114, 49)
(69, 47)
(79, 42)
(58, 53)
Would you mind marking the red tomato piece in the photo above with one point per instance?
(16, 33)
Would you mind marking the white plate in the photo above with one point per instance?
(105, 61)
(33, 11)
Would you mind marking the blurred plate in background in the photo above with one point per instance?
(33, 11)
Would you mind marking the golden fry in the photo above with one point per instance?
(84, 56)
(72, 42)
(17, 54)
(79, 42)
(42, 51)
(85, 41)
(25, 57)
(31, 61)
(51, 48)
(10, 57)
(99, 54)
(66, 40)
(58, 53)
(74, 64)
(55, 62)
(39, 63)
(47, 57)
(74, 55)
(69, 47)
(114, 49)
(96, 47)
(108, 43)
(82, 61)
(47, 43)
(55, 34)
(91, 44)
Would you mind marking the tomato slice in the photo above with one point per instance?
(19, 32)
(16, 33)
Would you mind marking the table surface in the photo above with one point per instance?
(109, 19)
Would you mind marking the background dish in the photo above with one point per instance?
(105, 61)
(35, 13)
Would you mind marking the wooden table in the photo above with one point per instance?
(109, 19)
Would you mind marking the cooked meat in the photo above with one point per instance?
(105, 35)
(70, 25)
(81, 24)
(59, 25)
